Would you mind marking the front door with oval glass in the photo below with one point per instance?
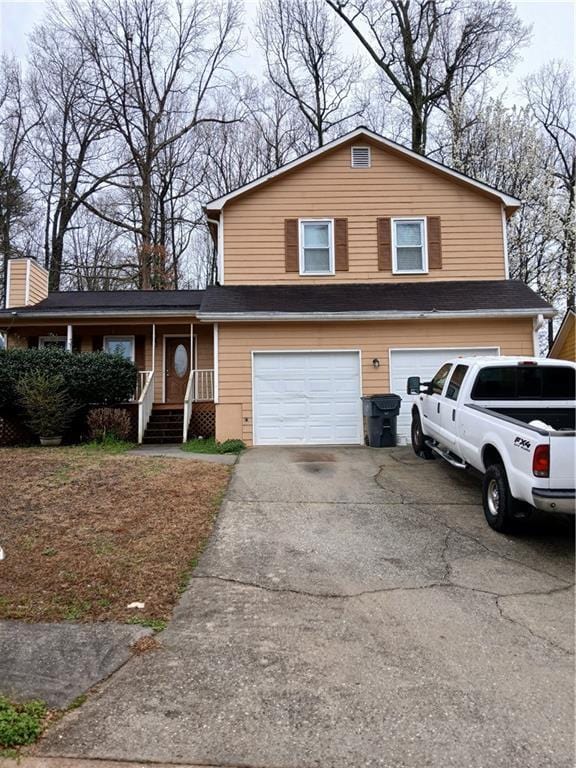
(177, 368)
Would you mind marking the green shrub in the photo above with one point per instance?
(20, 724)
(210, 445)
(48, 407)
(231, 446)
(106, 423)
(90, 378)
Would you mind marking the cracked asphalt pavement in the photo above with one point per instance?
(352, 609)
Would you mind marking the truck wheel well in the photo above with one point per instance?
(490, 455)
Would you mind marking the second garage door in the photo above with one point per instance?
(307, 398)
(424, 363)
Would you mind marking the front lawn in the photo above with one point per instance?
(86, 532)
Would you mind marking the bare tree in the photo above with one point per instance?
(15, 202)
(551, 95)
(301, 43)
(155, 64)
(427, 48)
(70, 141)
(96, 259)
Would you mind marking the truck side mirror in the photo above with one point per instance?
(413, 385)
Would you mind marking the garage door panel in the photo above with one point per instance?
(424, 363)
(307, 398)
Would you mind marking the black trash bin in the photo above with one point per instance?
(380, 415)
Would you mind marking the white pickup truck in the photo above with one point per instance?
(510, 418)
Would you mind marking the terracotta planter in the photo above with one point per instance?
(50, 442)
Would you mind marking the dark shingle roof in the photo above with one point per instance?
(441, 296)
(433, 296)
(74, 301)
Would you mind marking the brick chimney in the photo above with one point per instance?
(26, 283)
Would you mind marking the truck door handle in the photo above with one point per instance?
(438, 408)
(453, 414)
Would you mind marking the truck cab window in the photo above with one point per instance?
(456, 380)
(440, 379)
(525, 383)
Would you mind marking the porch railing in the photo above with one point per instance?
(140, 384)
(203, 386)
(188, 406)
(145, 402)
(200, 388)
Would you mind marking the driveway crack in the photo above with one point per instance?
(321, 595)
(516, 622)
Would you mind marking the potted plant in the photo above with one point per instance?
(48, 406)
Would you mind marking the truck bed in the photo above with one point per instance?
(560, 419)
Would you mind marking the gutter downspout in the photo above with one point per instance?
(218, 247)
(537, 324)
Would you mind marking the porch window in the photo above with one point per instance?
(120, 345)
(58, 342)
(316, 247)
(409, 245)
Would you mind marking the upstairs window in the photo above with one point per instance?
(409, 245)
(316, 247)
(360, 157)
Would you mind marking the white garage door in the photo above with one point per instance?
(424, 363)
(307, 398)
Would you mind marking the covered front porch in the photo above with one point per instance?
(175, 361)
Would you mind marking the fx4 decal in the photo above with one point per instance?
(520, 442)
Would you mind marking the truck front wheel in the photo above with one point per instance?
(418, 442)
(503, 512)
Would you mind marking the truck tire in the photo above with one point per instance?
(418, 442)
(503, 512)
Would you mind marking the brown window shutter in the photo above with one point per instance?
(434, 243)
(291, 256)
(341, 245)
(384, 244)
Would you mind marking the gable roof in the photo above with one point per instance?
(364, 301)
(568, 322)
(508, 201)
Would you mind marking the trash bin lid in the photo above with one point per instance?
(385, 402)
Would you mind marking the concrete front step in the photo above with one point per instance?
(155, 440)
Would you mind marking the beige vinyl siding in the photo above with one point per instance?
(373, 339)
(471, 221)
(38, 283)
(17, 283)
(22, 271)
(566, 350)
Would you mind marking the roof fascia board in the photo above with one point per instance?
(27, 314)
(376, 315)
(507, 200)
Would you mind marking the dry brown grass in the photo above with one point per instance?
(86, 533)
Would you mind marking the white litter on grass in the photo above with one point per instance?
(135, 605)
(1, 554)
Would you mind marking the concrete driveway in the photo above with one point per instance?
(352, 609)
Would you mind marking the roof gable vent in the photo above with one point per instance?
(361, 157)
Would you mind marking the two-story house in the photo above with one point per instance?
(339, 275)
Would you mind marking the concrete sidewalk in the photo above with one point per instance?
(352, 608)
(175, 452)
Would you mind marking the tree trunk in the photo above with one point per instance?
(418, 132)
(55, 271)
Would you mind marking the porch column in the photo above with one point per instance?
(153, 347)
(192, 360)
(69, 338)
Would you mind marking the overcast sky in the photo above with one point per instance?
(553, 36)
